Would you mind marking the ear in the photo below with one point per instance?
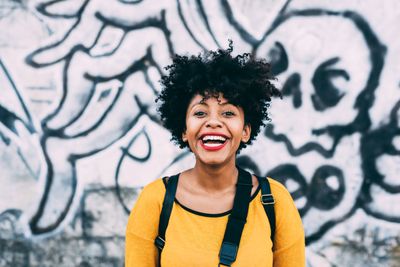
(184, 138)
(246, 133)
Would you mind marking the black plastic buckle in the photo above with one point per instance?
(267, 199)
(227, 254)
(159, 242)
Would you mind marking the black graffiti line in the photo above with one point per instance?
(285, 172)
(182, 17)
(49, 180)
(308, 147)
(373, 145)
(29, 59)
(67, 58)
(98, 122)
(125, 152)
(24, 161)
(245, 35)
(325, 227)
(203, 16)
(159, 23)
(33, 222)
(148, 79)
(148, 22)
(241, 30)
(376, 48)
(96, 40)
(59, 132)
(310, 239)
(365, 99)
(246, 162)
(167, 34)
(28, 124)
(175, 160)
(97, 150)
(153, 63)
(64, 84)
(42, 8)
(378, 215)
(136, 66)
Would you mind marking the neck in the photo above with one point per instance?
(215, 177)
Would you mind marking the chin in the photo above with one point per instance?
(210, 161)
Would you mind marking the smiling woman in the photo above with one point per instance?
(213, 124)
(215, 214)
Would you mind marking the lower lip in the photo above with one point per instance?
(213, 148)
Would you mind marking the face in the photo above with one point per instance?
(322, 75)
(214, 129)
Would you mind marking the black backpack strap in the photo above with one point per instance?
(268, 202)
(168, 203)
(237, 219)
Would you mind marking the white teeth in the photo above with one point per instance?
(214, 137)
(212, 145)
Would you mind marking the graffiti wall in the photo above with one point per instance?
(80, 136)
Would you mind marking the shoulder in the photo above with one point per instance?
(143, 219)
(155, 186)
(154, 191)
(285, 208)
(150, 199)
(283, 200)
(289, 235)
(277, 188)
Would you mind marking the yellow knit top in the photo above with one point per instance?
(194, 238)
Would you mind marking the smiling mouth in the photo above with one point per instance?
(213, 142)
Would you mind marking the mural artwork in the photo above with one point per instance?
(80, 136)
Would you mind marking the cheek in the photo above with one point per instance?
(192, 128)
(240, 131)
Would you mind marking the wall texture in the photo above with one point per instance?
(79, 136)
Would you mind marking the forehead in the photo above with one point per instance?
(208, 98)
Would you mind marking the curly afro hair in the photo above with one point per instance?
(243, 80)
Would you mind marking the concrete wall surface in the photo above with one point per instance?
(80, 137)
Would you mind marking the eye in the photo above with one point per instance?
(278, 59)
(199, 113)
(292, 87)
(229, 113)
(327, 187)
(327, 94)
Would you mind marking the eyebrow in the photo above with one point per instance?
(204, 103)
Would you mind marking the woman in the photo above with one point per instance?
(215, 104)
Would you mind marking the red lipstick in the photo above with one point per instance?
(212, 148)
(210, 145)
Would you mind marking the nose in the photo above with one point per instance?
(213, 122)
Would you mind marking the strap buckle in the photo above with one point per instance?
(267, 199)
(159, 242)
(227, 254)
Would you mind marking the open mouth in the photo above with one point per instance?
(213, 142)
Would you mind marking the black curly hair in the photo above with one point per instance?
(243, 80)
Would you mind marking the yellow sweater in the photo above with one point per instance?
(194, 239)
